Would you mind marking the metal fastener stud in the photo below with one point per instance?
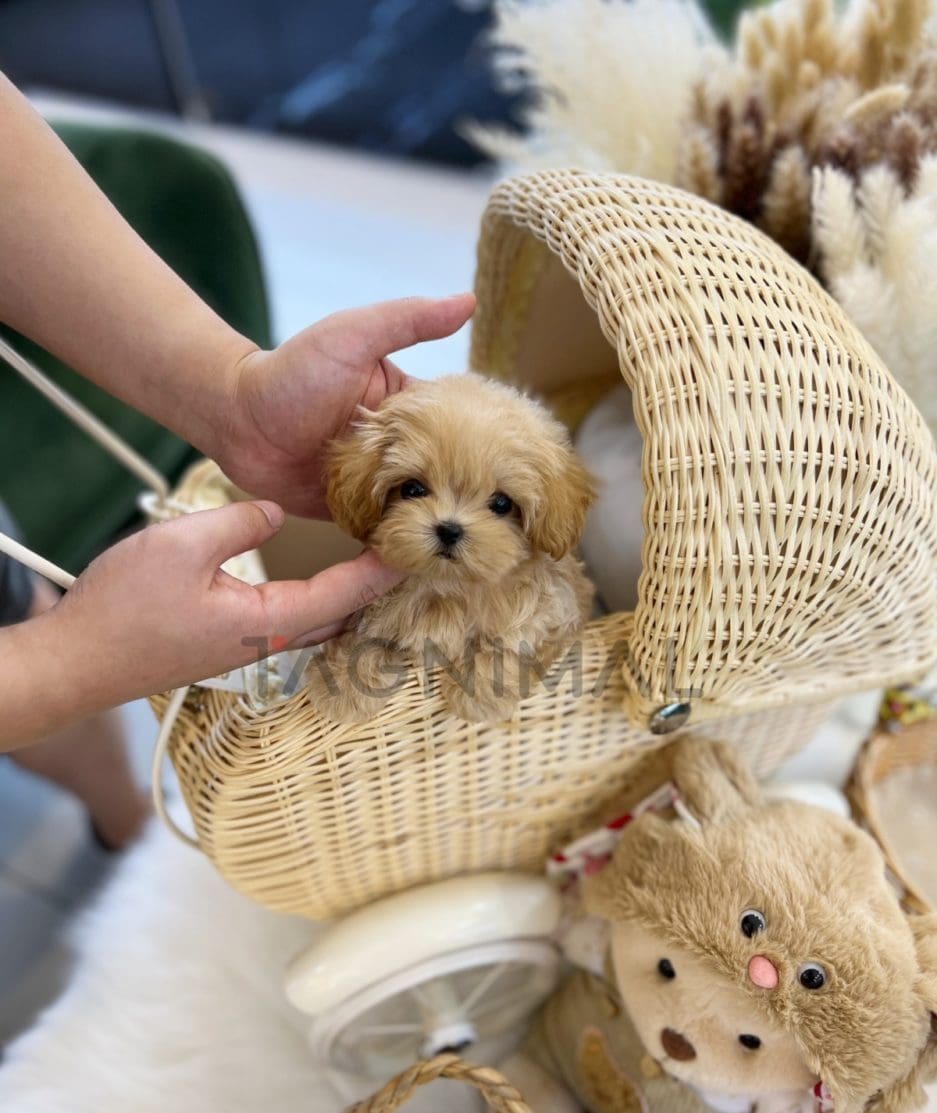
(669, 718)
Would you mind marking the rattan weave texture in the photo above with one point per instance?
(789, 557)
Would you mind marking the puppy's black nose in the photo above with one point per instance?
(449, 533)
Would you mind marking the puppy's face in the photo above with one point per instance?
(460, 479)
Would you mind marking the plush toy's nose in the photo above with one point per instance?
(763, 972)
(677, 1046)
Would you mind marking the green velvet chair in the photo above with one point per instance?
(69, 497)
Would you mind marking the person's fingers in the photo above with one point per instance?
(317, 637)
(296, 607)
(395, 379)
(390, 326)
(215, 535)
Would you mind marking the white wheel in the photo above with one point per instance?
(447, 965)
(447, 1003)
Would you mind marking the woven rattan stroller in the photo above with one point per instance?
(789, 558)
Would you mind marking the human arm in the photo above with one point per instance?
(155, 612)
(79, 281)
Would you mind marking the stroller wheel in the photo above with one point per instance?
(445, 967)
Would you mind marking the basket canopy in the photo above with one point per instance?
(790, 532)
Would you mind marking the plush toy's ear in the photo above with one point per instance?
(713, 781)
(924, 929)
(907, 1093)
(555, 524)
(354, 495)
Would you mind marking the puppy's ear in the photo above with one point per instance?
(354, 495)
(555, 524)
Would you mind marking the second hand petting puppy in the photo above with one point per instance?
(475, 492)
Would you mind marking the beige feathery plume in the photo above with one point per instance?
(877, 247)
(608, 82)
(884, 36)
(746, 162)
(904, 145)
(883, 101)
(838, 229)
(699, 165)
(785, 214)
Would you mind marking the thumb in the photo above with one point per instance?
(216, 535)
(390, 326)
(297, 607)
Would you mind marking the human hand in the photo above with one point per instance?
(156, 612)
(287, 404)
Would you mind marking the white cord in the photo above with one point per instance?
(38, 564)
(86, 420)
(156, 773)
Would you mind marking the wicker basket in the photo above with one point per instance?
(888, 752)
(788, 558)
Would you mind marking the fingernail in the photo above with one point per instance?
(273, 513)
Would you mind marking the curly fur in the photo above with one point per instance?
(507, 592)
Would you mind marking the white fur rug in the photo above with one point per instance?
(176, 1006)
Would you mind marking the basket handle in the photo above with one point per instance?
(160, 749)
(498, 1093)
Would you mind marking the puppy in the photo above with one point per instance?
(474, 491)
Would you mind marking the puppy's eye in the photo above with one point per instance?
(500, 504)
(751, 1042)
(413, 489)
(666, 970)
(752, 922)
(812, 975)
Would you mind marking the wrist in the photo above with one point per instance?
(215, 407)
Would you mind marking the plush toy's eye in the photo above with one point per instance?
(752, 922)
(811, 975)
(666, 970)
(413, 489)
(751, 1042)
(500, 504)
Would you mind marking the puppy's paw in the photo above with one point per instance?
(348, 684)
(334, 702)
(482, 702)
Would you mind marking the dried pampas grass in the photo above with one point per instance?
(607, 83)
(819, 125)
(808, 84)
(877, 254)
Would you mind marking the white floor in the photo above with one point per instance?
(49, 866)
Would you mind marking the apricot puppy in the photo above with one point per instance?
(474, 491)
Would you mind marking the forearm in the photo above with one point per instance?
(45, 685)
(79, 281)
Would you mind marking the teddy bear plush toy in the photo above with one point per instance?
(757, 961)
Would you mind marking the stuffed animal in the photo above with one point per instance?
(758, 960)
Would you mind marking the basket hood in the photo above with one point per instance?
(790, 533)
